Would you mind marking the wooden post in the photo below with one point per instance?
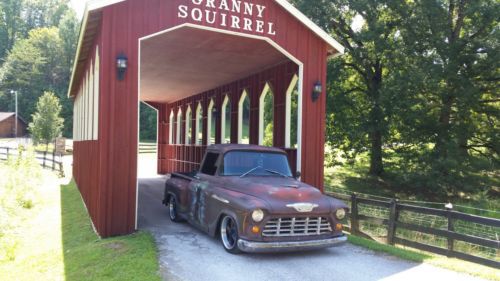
(61, 169)
(354, 215)
(44, 158)
(451, 228)
(393, 217)
(53, 160)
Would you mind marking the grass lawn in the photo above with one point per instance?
(54, 240)
(423, 257)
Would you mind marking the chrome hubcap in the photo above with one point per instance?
(171, 207)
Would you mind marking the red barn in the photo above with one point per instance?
(217, 71)
(8, 125)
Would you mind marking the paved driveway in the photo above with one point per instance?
(188, 254)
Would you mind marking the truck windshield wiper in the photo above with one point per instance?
(247, 173)
(276, 173)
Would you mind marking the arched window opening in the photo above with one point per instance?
(199, 125)
(212, 119)
(189, 131)
(179, 126)
(266, 117)
(244, 119)
(171, 128)
(292, 113)
(226, 121)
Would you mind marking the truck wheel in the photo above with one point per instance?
(229, 235)
(172, 210)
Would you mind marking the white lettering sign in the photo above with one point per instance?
(235, 14)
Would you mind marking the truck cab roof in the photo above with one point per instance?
(224, 148)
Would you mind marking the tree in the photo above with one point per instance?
(366, 64)
(457, 45)
(47, 123)
(37, 64)
(10, 25)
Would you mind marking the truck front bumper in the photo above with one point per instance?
(272, 247)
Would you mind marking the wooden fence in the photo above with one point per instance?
(45, 159)
(398, 228)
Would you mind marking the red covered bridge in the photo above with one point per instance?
(217, 71)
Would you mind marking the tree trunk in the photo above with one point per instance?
(376, 119)
(443, 134)
(376, 164)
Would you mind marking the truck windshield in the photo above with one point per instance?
(246, 163)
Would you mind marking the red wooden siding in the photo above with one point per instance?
(106, 170)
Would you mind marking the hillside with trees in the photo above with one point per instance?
(414, 104)
(37, 45)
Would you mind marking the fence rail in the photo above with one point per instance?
(46, 160)
(408, 225)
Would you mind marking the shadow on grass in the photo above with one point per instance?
(87, 257)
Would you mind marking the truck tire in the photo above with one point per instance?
(172, 210)
(229, 235)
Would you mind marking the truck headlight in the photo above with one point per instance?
(257, 215)
(340, 214)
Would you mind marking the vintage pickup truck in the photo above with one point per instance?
(246, 195)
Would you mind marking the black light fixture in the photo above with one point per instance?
(317, 90)
(121, 66)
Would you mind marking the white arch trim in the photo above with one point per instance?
(288, 106)
(262, 104)
(189, 118)
(223, 119)
(179, 126)
(244, 95)
(199, 118)
(211, 105)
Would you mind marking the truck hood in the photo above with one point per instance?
(281, 195)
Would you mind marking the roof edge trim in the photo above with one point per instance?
(311, 25)
(89, 7)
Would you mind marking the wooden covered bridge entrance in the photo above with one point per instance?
(217, 71)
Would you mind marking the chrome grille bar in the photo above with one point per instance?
(288, 227)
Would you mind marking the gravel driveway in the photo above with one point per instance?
(188, 254)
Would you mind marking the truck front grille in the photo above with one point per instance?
(287, 227)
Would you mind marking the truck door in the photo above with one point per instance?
(199, 188)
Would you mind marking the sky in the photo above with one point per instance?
(79, 6)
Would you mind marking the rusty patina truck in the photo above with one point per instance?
(247, 195)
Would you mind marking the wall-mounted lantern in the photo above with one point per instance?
(121, 66)
(317, 90)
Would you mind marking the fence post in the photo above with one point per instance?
(53, 160)
(354, 215)
(44, 158)
(451, 228)
(61, 169)
(393, 217)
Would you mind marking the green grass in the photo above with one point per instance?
(86, 257)
(54, 240)
(422, 257)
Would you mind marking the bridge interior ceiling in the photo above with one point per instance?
(187, 61)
